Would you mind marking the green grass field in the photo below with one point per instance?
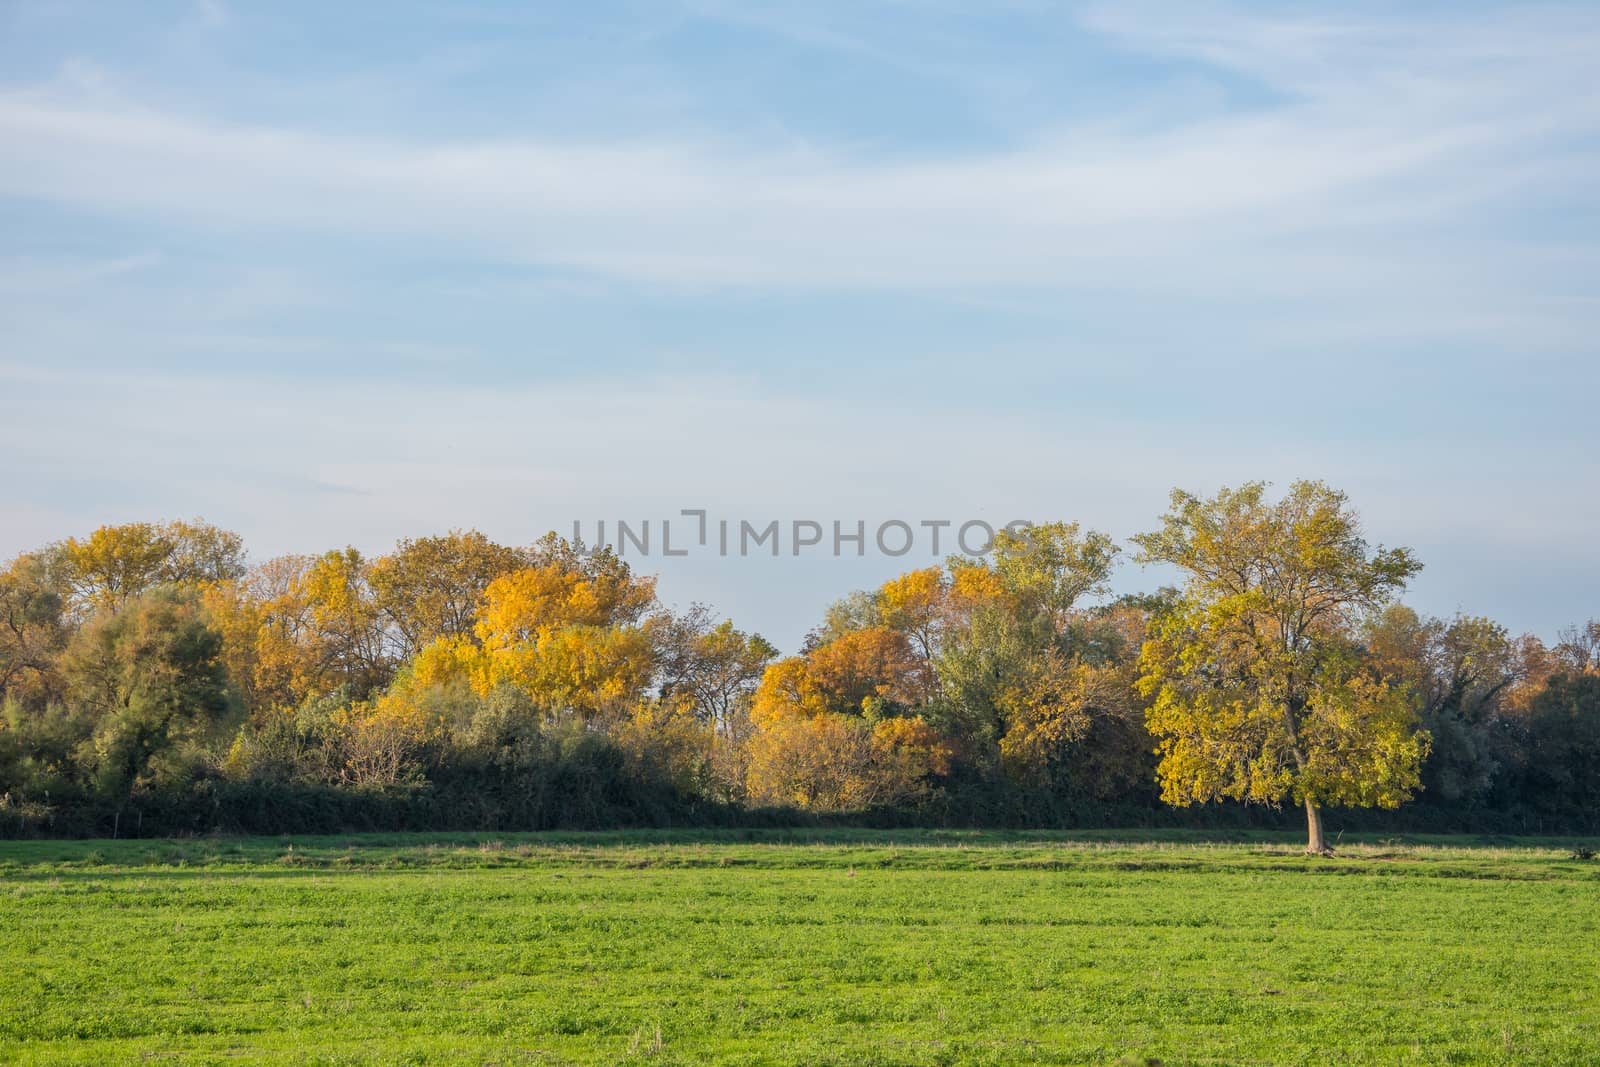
(846, 947)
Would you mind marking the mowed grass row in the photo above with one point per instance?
(828, 947)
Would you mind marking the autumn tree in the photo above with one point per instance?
(833, 762)
(562, 588)
(202, 553)
(116, 563)
(569, 631)
(33, 631)
(1459, 674)
(917, 604)
(298, 628)
(838, 727)
(1050, 568)
(269, 644)
(1579, 648)
(378, 740)
(566, 630)
(1260, 689)
(429, 587)
(1113, 759)
(856, 610)
(239, 619)
(667, 741)
(715, 665)
(340, 624)
(591, 670)
(868, 671)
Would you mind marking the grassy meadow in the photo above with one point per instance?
(846, 947)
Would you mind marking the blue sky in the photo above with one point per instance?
(343, 273)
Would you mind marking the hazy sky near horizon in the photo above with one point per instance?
(331, 274)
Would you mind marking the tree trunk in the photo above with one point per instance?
(1316, 844)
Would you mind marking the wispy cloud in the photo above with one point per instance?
(1379, 131)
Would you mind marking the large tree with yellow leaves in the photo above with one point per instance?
(1260, 689)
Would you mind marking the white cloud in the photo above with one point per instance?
(1380, 131)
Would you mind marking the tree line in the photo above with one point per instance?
(154, 680)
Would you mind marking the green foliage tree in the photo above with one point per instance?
(1014, 667)
(151, 679)
(1051, 567)
(1564, 748)
(1260, 689)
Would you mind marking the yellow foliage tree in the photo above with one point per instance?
(562, 631)
(33, 632)
(518, 607)
(379, 738)
(973, 587)
(1259, 693)
(865, 664)
(589, 669)
(1047, 569)
(116, 563)
(429, 587)
(833, 762)
(666, 741)
(298, 627)
(822, 739)
(917, 605)
(1047, 705)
